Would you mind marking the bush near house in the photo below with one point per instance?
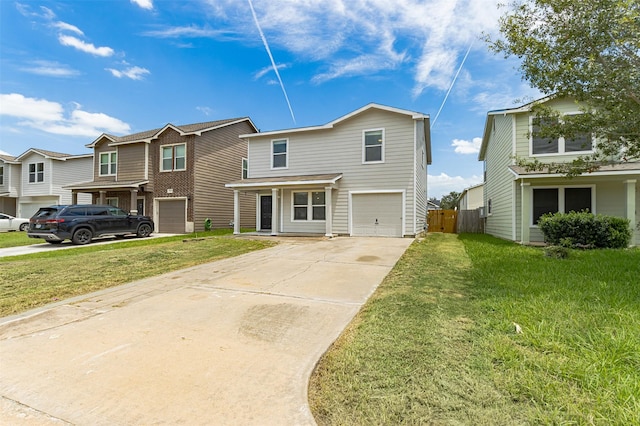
(585, 230)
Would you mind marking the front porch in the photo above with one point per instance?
(310, 198)
(104, 192)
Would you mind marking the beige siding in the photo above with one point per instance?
(499, 180)
(131, 162)
(218, 161)
(339, 150)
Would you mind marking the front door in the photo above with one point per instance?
(140, 206)
(265, 212)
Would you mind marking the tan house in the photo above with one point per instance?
(472, 198)
(515, 198)
(175, 174)
(363, 174)
(37, 178)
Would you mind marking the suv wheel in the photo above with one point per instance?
(82, 236)
(144, 230)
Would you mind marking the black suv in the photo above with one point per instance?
(81, 223)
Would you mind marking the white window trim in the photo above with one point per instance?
(561, 198)
(561, 141)
(286, 154)
(173, 157)
(310, 206)
(1, 175)
(36, 181)
(109, 163)
(364, 150)
(245, 161)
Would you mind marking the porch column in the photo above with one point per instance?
(327, 212)
(274, 211)
(133, 204)
(103, 197)
(74, 197)
(631, 208)
(525, 214)
(236, 212)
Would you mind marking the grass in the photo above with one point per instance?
(35, 280)
(15, 239)
(437, 344)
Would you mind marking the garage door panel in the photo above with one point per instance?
(377, 215)
(172, 216)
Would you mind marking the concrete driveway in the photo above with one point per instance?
(231, 342)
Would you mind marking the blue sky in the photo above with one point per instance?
(71, 70)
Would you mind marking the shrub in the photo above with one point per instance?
(585, 230)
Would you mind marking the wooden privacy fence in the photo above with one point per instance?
(470, 222)
(442, 221)
(455, 221)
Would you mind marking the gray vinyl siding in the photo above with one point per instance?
(218, 160)
(131, 162)
(339, 150)
(499, 180)
(420, 179)
(74, 170)
(290, 225)
(35, 189)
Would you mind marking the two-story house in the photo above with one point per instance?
(363, 174)
(37, 178)
(515, 198)
(175, 174)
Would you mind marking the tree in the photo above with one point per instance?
(588, 51)
(450, 201)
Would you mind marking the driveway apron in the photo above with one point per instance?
(231, 342)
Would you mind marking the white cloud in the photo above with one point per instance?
(63, 26)
(205, 110)
(443, 184)
(134, 73)
(145, 4)
(51, 69)
(191, 31)
(467, 147)
(71, 41)
(430, 35)
(50, 117)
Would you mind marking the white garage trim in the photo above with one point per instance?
(402, 192)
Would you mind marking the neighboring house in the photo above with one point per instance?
(175, 174)
(363, 174)
(515, 198)
(433, 205)
(37, 179)
(472, 198)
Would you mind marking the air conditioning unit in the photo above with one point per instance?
(482, 211)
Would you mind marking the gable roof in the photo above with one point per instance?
(8, 159)
(186, 129)
(331, 124)
(488, 124)
(51, 154)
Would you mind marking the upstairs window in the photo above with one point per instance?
(279, 150)
(373, 146)
(245, 168)
(544, 145)
(108, 163)
(174, 157)
(1, 175)
(36, 172)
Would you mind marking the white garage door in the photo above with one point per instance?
(27, 210)
(171, 216)
(377, 215)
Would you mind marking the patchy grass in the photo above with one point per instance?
(16, 239)
(34, 280)
(437, 343)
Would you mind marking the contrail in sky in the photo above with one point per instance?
(273, 63)
(451, 86)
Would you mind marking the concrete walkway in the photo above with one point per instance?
(231, 342)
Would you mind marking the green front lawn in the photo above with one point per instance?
(437, 343)
(17, 238)
(37, 279)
